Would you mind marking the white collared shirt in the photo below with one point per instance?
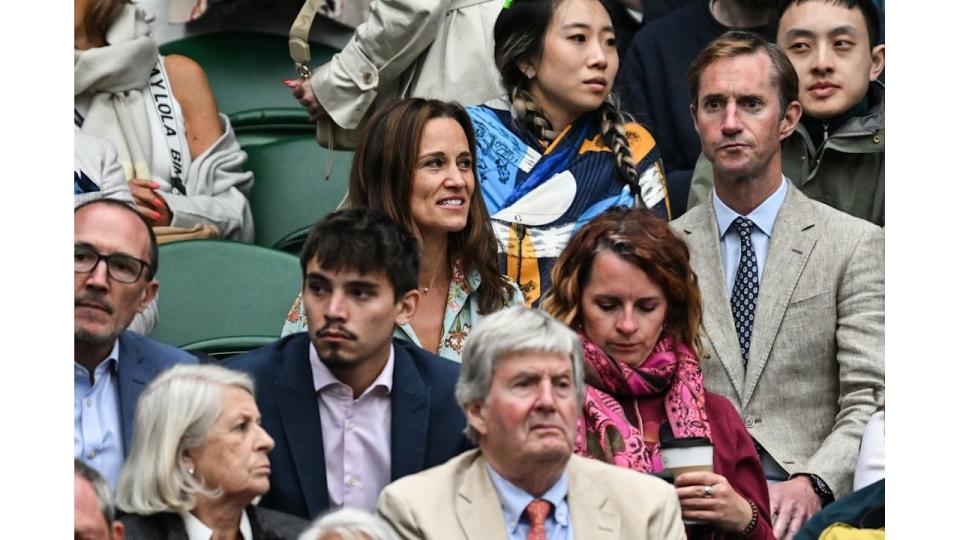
(196, 530)
(356, 435)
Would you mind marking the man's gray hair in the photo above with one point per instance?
(174, 414)
(509, 331)
(100, 488)
(349, 524)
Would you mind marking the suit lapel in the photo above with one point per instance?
(174, 526)
(477, 505)
(587, 500)
(133, 373)
(704, 240)
(794, 236)
(300, 417)
(410, 415)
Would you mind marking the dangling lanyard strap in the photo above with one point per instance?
(300, 36)
(300, 53)
(163, 104)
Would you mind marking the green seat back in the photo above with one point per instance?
(246, 71)
(225, 347)
(218, 289)
(289, 192)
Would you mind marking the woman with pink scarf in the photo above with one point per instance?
(624, 282)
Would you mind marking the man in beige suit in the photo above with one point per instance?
(793, 290)
(521, 387)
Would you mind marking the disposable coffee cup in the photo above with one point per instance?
(687, 455)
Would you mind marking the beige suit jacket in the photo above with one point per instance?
(816, 352)
(457, 500)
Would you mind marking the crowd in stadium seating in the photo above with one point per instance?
(542, 313)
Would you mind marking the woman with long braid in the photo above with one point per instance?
(556, 150)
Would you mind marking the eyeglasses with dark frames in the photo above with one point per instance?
(120, 267)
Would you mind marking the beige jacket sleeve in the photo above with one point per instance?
(860, 357)
(385, 45)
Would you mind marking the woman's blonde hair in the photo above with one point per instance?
(174, 414)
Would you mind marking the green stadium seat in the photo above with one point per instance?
(222, 348)
(246, 71)
(218, 296)
(289, 192)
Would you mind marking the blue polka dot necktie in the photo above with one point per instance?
(746, 287)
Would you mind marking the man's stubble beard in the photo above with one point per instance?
(96, 339)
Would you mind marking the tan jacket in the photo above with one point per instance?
(457, 500)
(425, 48)
(816, 353)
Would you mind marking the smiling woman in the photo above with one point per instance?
(199, 459)
(556, 150)
(416, 163)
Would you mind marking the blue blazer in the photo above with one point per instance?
(426, 426)
(140, 360)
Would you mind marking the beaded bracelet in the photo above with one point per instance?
(754, 518)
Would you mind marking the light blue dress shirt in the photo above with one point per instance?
(762, 216)
(97, 432)
(513, 502)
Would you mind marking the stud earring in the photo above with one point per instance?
(529, 72)
(190, 471)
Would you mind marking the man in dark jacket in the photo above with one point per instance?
(836, 154)
(349, 408)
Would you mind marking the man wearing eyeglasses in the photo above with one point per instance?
(115, 261)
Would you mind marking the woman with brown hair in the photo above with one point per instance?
(556, 150)
(624, 282)
(416, 163)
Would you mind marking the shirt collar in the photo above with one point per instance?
(196, 530)
(762, 216)
(107, 366)
(514, 500)
(323, 378)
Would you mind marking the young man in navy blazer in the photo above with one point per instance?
(350, 407)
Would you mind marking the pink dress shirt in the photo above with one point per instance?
(356, 435)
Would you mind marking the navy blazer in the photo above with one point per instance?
(426, 426)
(140, 359)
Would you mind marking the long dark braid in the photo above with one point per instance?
(529, 116)
(518, 40)
(615, 136)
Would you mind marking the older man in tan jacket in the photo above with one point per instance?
(521, 387)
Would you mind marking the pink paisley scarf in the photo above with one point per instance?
(671, 373)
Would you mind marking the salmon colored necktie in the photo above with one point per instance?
(537, 512)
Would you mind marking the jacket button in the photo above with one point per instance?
(876, 139)
(367, 77)
(749, 421)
